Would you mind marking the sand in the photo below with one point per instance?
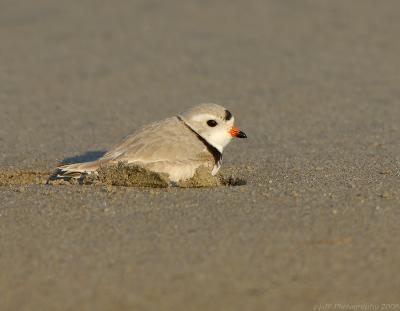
(315, 220)
(125, 175)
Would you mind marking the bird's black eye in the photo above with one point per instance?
(212, 123)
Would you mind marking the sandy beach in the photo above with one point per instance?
(315, 86)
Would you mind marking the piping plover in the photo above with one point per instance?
(176, 146)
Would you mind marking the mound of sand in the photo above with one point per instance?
(130, 175)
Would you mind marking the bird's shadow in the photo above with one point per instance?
(88, 156)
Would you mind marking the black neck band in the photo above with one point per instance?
(214, 151)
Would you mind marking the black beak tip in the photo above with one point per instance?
(241, 135)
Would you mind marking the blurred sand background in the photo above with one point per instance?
(314, 84)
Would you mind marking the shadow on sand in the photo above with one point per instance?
(85, 157)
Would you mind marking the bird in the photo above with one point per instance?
(176, 146)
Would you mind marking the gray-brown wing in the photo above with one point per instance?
(167, 141)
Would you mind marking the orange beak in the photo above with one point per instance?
(235, 132)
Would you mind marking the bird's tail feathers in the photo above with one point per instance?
(75, 170)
